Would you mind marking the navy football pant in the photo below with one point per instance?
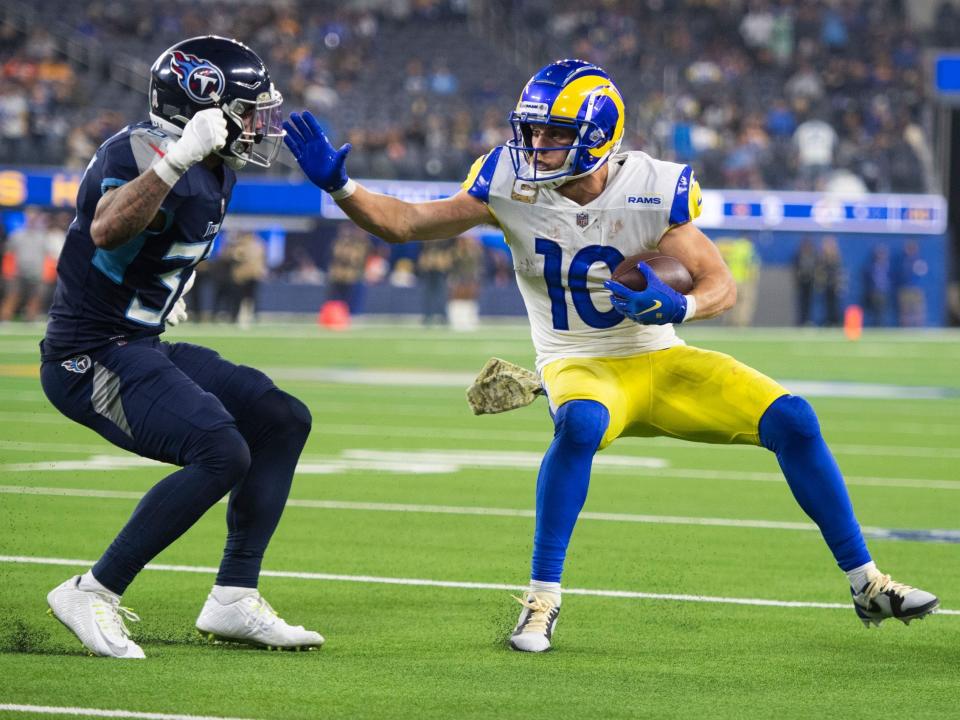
(228, 426)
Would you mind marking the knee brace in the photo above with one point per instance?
(789, 416)
(581, 423)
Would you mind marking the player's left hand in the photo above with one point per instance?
(178, 313)
(324, 165)
(658, 304)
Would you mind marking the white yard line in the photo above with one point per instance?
(96, 712)
(421, 582)
(934, 535)
(445, 462)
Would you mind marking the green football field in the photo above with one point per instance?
(695, 585)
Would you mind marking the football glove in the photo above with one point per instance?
(317, 158)
(659, 304)
(178, 313)
(206, 132)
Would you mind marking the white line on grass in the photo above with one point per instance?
(422, 462)
(96, 712)
(421, 582)
(935, 535)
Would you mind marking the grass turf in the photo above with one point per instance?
(411, 650)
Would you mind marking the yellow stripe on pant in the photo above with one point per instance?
(682, 392)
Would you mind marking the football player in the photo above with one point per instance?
(150, 204)
(571, 207)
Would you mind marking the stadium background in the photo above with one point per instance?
(695, 587)
(763, 99)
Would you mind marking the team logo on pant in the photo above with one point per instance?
(79, 364)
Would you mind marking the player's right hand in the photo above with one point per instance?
(318, 159)
(206, 132)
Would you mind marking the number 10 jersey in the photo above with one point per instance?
(563, 252)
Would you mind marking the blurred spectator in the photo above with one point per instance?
(345, 272)
(304, 270)
(248, 267)
(804, 277)
(433, 267)
(877, 287)
(375, 72)
(741, 257)
(30, 266)
(465, 275)
(912, 270)
(815, 141)
(830, 280)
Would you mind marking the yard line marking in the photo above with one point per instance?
(96, 712)
(449, 462)
(421, 582)
(933, 535)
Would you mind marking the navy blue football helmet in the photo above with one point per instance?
(212, 71)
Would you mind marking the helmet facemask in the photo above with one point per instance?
(255, 130)
(524, 155)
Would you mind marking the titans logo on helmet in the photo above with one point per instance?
(198, 77)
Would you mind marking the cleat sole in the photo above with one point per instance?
(224, 640)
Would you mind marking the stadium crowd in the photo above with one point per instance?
(785, 94)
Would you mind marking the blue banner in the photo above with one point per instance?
(722, 209)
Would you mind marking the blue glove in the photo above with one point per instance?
(659, 304)
(318, 160)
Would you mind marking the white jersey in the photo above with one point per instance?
(563, 252)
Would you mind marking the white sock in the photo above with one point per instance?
(550, 587)
(226, 594)
(860, 576)
(88, 583)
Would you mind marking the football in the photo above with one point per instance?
(667, 268)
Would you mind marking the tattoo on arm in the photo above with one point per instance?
(127, 211)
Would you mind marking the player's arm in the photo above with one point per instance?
(126, 211)
(394, 220)
(714, 290)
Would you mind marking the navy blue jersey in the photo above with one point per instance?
(127, 292)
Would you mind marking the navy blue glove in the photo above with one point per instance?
(659, 304)
(318, 160)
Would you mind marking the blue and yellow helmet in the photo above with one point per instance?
(572, 94)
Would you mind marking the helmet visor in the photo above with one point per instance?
(262, 130)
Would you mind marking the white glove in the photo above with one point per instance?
(179, 312)
(206, 132)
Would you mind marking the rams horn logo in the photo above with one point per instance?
(200, 78)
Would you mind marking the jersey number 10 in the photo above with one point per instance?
(577, 282)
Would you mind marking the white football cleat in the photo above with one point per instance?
(251, 620)
(537, 621)
(96, 618)
(881, 598)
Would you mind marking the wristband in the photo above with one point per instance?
(348, 189)
(166, 172)
(691, 308)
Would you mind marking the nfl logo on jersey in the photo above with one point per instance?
(582, 219)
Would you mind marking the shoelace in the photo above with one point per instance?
(539, 618)
(883, 583)
(262, 614)
(110, 615)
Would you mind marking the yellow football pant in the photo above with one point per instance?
(682, 392)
